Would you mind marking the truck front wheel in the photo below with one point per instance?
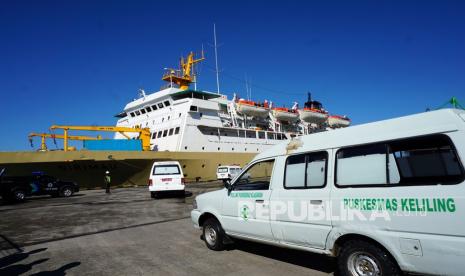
(213, 234)
(359, 257)
(19, 195)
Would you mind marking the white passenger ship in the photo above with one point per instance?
(184, 119)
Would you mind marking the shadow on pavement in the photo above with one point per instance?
(10, 264)
(301, 258)
(58, 272)
(18, 269)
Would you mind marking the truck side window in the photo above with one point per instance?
(414, 161)
(306, 170)
(257, 177)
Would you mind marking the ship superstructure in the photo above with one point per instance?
(184, 119)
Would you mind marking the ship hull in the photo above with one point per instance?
(87, 168)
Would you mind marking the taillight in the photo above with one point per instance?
(150, 182)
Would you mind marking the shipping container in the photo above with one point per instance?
(113, 144)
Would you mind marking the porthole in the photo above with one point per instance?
(183, 166)
(218, 148)
(185, 147)
(203, 165)
(233, 149)
(203, 148)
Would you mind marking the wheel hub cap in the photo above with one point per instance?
(210, 235)
(363, 264)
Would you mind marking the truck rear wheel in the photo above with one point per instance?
(359, 257)
(213, 234)
(66, 191)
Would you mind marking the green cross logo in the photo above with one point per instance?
(245, 212)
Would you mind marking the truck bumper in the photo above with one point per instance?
(195, 215)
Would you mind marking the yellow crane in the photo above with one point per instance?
(44, 136)
(185, 75)
(144, 133)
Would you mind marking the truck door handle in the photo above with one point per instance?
(259, 201)
(316, 202)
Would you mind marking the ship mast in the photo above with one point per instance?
(216, 61)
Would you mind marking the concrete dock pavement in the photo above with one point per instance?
(128, 233)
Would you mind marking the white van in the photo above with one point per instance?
(227, 172)
(383, 197)
(166, 176)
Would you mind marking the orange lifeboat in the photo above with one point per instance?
(336, 121)
(251, 108)
(285, 114)
(313, 112)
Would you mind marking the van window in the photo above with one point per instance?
(257, 177)
(363, 165)
(425, 160)
(166, 170)
(306, 171)
(413, 161)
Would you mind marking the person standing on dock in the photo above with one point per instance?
(107, 182)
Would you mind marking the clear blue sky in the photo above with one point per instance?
(80, 62)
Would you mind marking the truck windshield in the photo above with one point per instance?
(166, 169)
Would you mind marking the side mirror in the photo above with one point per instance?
(228, 186)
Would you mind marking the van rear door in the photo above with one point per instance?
(304, 194)
(167, 175)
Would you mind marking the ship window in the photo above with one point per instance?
(169, 117)
(185, 148)
(167, 103)
(171, 132)
(159, 134)
(251, 134)
(194, 108)
(154, 107)
(179, 114)
(270, 135)
(261, 135)
(165, 132)
(148, 109)
(154, 135)
(160, 105)
(132, 114)
(176, 131)
(203, 148)
(142, 111)
(137, 112)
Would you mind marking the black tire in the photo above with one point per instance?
(154, 195)
(213, 234)
(358, 257)
(18, 195)
(66, 191)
